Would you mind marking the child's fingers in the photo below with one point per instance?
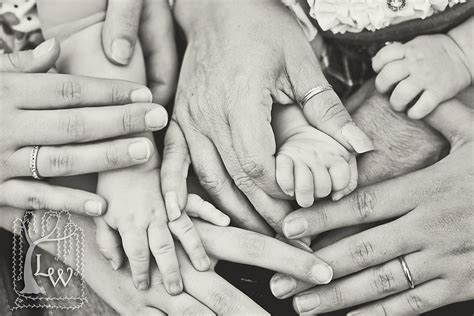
(337, 195)
(389, 53)
(340, 174)
(405, 91)
(109, 243)
(183, 229)
(321, 180)
(197, 207)
(391, 74)
(424, 106)
(174, 170)
(135, 245)
(304, 187)
(284, 174)
(162, 247)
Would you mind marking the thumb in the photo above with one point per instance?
(40, 59)
(454, 121)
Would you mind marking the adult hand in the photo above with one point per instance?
(150, 21)
(70, 117)
(432, 232)
(241, 58)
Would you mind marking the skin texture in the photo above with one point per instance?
(433, 226)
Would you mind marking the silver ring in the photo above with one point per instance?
(407, 272)
(313, 92)
(34, 163)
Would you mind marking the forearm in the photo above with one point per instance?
(462, 36)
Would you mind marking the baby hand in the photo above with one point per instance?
(136, 220)
(311, 164)
(427, 71)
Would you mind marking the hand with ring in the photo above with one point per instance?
(419, 258)
(54, 125)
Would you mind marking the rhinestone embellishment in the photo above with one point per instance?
(396, 5)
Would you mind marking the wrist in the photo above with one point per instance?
(463, 46)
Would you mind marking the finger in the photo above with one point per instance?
(240, 246)
(373, 203)
(163, 250)
(337, 195)
(57, 91)
(39, 59)
(304, 187)
(214, 179)
(366, 286)
(386, 54)
(109, 243)
(424, 105)
(405, 92)
(135, 245)
(197, 207)
(184, 230)
(454, 120)
(419, 300)
(390, 75)
(159, 49)
(119, 33)
(213, 291)
(284, 174)
(149, 311)
(53, 127)
(174, 171)
(340, 173)
(36, 195)
(322, 180)
(56, 161)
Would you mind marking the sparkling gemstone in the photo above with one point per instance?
(396, 5)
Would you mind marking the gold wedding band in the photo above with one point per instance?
(34, 163)
(407, 272)
(314, 92)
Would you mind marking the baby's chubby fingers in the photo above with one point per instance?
(197, 207)
(390, 74)
(321, 180)
(405, 92)
(304, 185)
(340, 174)
(183, 228)
(424, 106)
(352, 185)
(389, 53)
(109, 243)
(284, 174)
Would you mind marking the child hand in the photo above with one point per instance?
(311, 164)
(136, 211)
(430, 67)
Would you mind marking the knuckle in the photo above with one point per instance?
(163, 249)
(112, 157)
(224, 303)
(70, 91)
(253, 168)
(245, 183)
(415, 302)
(333, 110)
(363, 204)
(336, 298)
(62, 162)
(36, 201)
(116, 94)
(74, 127)
(383, 281)
(127, 120)
(182, 227)
(213, 184)
(252, 244)
(361, 253)
(138, 255)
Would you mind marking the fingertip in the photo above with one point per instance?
(174, 287)
(121, 51)
(95, 207)
(355, 137)
(172, 206)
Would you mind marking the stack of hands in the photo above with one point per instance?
(237, 119)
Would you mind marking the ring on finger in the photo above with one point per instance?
(34, 163)
(407, 272)
(314, 92)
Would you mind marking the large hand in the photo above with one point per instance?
(433, 232)
(241, 58)
(151, 21)
(70, 117)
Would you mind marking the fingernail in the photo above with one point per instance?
(121, 51)
(355, 313)
(114, 264)
(306, 302)
(294, 226)
(139, 150)
(204, 264)
(156, 119)
(142, 285)
(141, 95)
(172, 206)
(336, 197)
(282, 285)
(357, 138)
(321, 273)
(175, 288)
(44, 48)
(94, 208)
